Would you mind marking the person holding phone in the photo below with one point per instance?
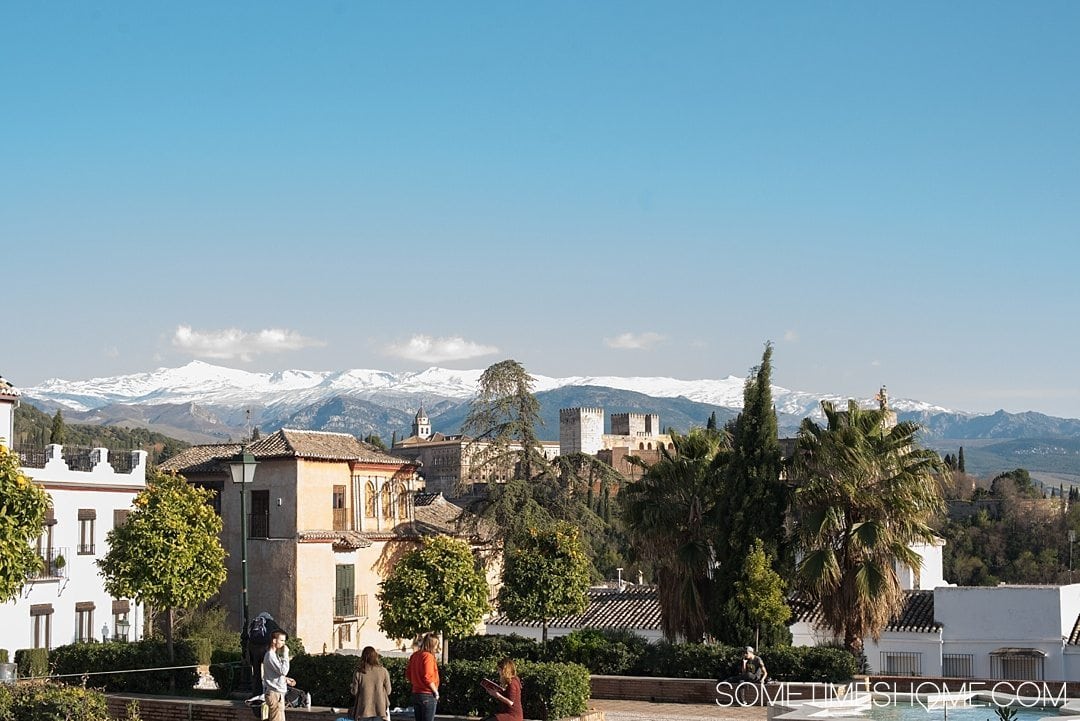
(276, 679)
(507, 693)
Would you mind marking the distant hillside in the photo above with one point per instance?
(34, 427)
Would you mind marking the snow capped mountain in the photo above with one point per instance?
(211, 385)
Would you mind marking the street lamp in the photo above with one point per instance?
(242, 468)
(104, 633)
(122, 628)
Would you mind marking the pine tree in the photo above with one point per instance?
(711, 425)
(58, 431)
(960, 461)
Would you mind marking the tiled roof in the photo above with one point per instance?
(6, 389)
(1074, 637)
(434, 515)
(342, 540)
(635, 607)
(285, 443)
(917, 615)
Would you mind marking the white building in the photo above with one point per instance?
(91, 492)
(1001, 632)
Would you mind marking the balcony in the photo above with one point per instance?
(259, 525)
(348, 606)
(53, 565)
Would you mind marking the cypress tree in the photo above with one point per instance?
(58, 430)
(960, 461)
(752, 506)
(711, 425)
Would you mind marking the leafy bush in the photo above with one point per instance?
(79, 659)
(44, 701)
(495, 647)
(3, 655)
(550, 688)
(32, 662)
(603, 652)
(210, 623)
(227, 668)
(203, 648)
(687, 660)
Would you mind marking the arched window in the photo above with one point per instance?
(387, 501)
(641, 446)
(369, 500)
(402, 501)
(649, 446)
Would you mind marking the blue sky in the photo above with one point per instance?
(887, 191)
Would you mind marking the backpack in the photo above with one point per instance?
(260, 629)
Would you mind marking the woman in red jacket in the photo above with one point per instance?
(423, 673)
(509, 695)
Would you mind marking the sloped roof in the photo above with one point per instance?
(634, 607)
(342, 540)
(434, 515)
(285, 443)
(916, 616)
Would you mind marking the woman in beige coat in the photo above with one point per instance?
(371, 687)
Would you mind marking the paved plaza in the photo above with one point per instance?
(615, 710)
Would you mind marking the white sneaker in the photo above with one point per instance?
(307, 700)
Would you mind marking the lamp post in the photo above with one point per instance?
(242, 468)
(122, 628)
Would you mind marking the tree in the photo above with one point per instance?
(58, 431)
(437, 587)
(867, 493)
(670, 518)
(759, 592)
(960, 461)
(167, 553)
(374, 440)
(506, 413)
(711, 424)
(545, 574)
(751, 508)
(22, 516)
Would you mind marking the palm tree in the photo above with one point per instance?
(866, 493)
(669, 517)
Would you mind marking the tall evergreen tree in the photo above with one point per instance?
(58, 431)
(960, 461)
(752, 506)
(711, 425)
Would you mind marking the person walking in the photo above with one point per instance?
(275, 669)
(507, 693)
(371, 687)
(423, 673)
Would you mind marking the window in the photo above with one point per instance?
(387, 501)
(41, 617)
(957, 665)
(1018, 664)
(402, 501)
(369, 500)
(87, 518)
(341, 520)
(84, 621)
(120, 516)
(259, 526)
(345, 590)
(901, 663)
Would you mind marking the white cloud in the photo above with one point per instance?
(791, 336)
(234, 343)
(425, 349)
(634, 341)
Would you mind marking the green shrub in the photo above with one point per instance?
(3, 655)
(45, 701)
(687, 660)
(602, 652)
(227, 668)
(495, 647)
(78, 659)
(203, 648)
(212, 623)
(552, 690)
(32, 662)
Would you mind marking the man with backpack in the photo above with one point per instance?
(259, 632)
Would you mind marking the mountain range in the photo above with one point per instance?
(200, 402)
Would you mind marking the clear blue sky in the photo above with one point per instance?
(888, 191)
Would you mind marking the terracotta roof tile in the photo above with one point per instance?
(635, 607)
(344, 540)
(1074, 637)
(917, 615)
(285, 443)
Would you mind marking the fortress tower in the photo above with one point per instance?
(581, 430)
(635, 424)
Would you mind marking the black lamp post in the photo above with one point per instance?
(242, 468)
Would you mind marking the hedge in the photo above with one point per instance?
(551, 690)
(45, 701)
(622, 652)
(32, 662)
(77, 659)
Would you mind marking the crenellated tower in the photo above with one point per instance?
(581, 430)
